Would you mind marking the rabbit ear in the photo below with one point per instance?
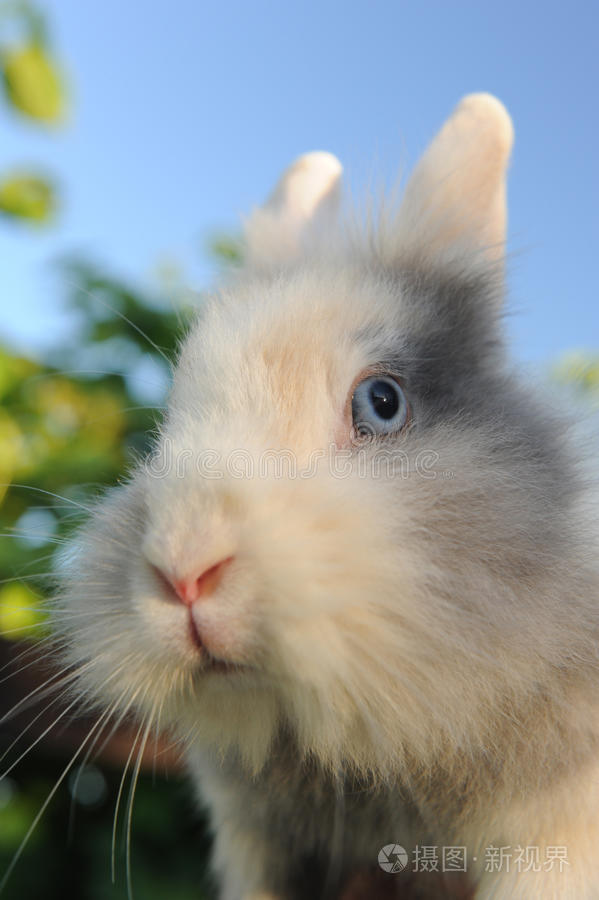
(306, 192)
(455, 197)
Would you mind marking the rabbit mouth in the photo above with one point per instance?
(194, 634)
(222, 667)
(211, 663)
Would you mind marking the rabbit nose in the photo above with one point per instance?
(188, 590)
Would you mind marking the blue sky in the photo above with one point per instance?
(184, 114)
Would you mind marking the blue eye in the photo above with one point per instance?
(379, 406)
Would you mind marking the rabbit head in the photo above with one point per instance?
(355, 524)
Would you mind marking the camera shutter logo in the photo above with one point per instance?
(393, 858)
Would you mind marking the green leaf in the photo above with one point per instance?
(19, 612)
(26, 196)
(32, 83)
(579, 369)
(225, 248)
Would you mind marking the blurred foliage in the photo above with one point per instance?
(69, 426)
(26, 196)
(34, 89)
(20, 612)
(32, 83)
(69, 853)
(226, 248)
(581, 370)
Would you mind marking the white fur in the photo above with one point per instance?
(420, 634)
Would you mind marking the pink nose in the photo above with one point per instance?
(188, 590)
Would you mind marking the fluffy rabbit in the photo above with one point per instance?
(357, 574)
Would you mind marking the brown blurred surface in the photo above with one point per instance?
(378, 885)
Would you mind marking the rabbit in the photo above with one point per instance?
(356, 576)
